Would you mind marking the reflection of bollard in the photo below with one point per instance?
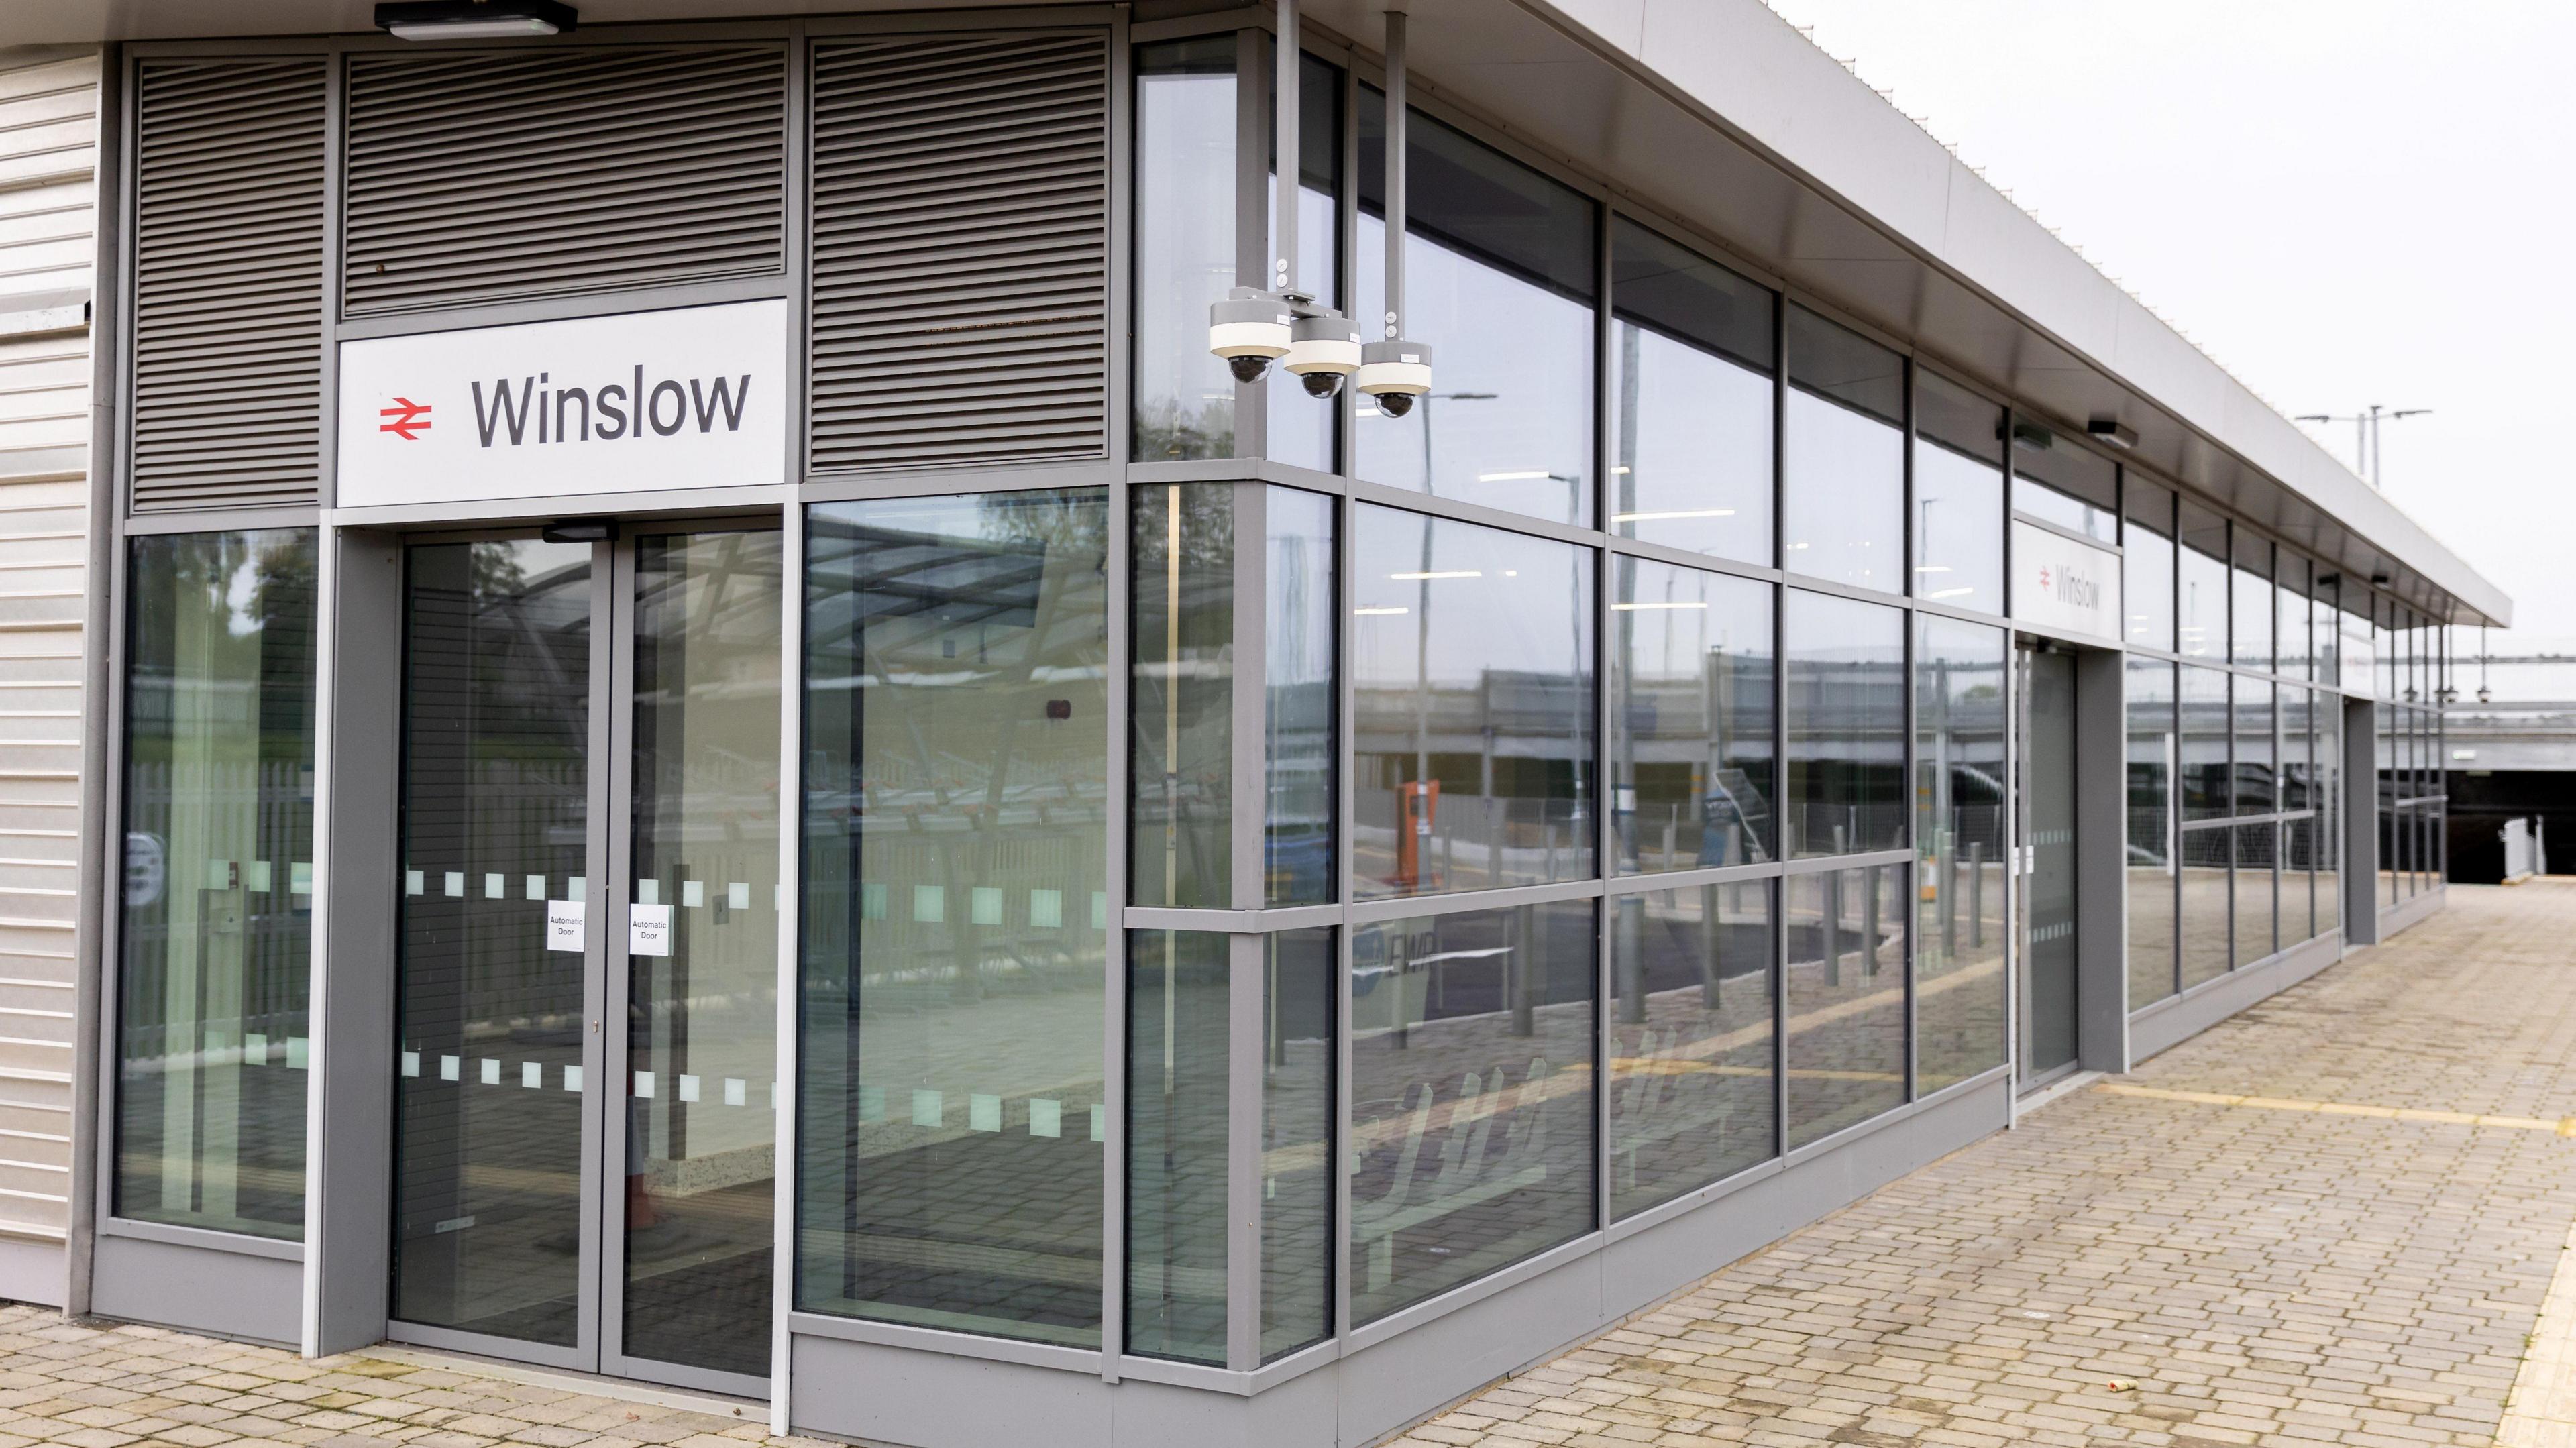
(1708, 947)
(1672, 831)
(1948, 884)
(1833, 925)
(1517, 974)
(1628, 984)
(1734, 845)
(1869, 921)
(1977, 895)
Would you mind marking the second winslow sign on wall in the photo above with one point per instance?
(692, 397)
(2062, 583)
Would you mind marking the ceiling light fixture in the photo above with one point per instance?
(474, 19)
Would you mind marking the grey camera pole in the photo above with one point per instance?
(1395, 219)
(1284, 147)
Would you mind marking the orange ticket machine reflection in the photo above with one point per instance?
(1421, 807)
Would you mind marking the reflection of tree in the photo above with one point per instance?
(1165, 433)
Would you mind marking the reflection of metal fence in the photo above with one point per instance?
(249, 924)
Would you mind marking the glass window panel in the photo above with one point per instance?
(2153, 750)
(1181, 706)
(1844, 1060)
(956, 734)
(2297, 789)
(1181, 745)
(2298, 864)
(1499, 277)
(2330, 816)
(2290, 640)
(1300, 982)
(1690, 1040)
(1303, 715)
(2147, 573)
(1472, 658)
(1177, 1095)
(2256, 851)
(1302, 426)
(216, 935)
(1691, 385)
(2324, 632)
(2204, 744)
(1845, 456)
(1960, 851)
(1186, 172)
(2200, 602)
(1472, 1113)
(2206, 912)
(700, 1181)
(488, 1174)
(1845, 726)
(1691, 745)
(1958, 496)
(2257, 785)
(2057, 480)
(2251, 617)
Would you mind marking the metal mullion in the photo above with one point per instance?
(603, 898)
(2016, 692)
(1604, 848)
(1411, 907)
(789, 1050)
(1621, 545)
(1251, 219)
(1484, 515)
(1910, 751)
(1345, 877)
(1118, 686)
(1827, 586)
(613, 774)
(1779, 904)
(1245, 1058)
(1232, 922)
(1825, 864)
(1691, 879)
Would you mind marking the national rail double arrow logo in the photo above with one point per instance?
(410, 419)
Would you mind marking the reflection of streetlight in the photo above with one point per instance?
(1427, 399)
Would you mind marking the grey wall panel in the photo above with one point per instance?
(1406, 1376)
(2176, 1019)
(960, 242)
(903, 1396)
(484, 176)
(201, 1289)
(1640, 1270)
(2101, 864)
(228, 277)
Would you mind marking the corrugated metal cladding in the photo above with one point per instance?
(960, 249)
(48, 209)
(489, 176)
(228, 278)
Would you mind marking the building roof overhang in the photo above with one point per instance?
(1722, 117)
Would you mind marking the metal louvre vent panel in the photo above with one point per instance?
(228, 283)
(960, 250)
(485, 177)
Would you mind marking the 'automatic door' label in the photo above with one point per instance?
(688, 397)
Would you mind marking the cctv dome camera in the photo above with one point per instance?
(1321, 384)
(1395, 372)
(1325, 349)
(1249, 329)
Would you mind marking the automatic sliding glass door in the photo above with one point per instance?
(586, 1060)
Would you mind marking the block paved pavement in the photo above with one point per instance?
(2131, 1268)
(2162, 1271)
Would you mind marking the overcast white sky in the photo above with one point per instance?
(2343, 201)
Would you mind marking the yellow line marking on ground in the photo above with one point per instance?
(2562, 1126)
(2542, 1407)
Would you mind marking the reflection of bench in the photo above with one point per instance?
(1646, 1098)
(1466, 1177)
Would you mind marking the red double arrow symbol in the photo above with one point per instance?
(406, 417)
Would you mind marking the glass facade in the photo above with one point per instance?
(1961, 847)
(215, 933)
(956, 907)
(1844, 456)
(1958, 496)
(1223, 882)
